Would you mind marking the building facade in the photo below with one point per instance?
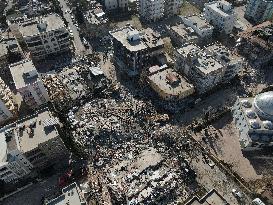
(259, 11)
(221, 15)
(200, 25)
(116, 4)
(28, 83)
(151, 10)
(172, 7)
(43, 35)
(253, 118)
(202, 69)
(133, 50)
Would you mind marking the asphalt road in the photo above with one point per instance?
(79, 47)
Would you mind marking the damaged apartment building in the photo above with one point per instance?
(207, 67)
(151, 10)
(194, 29)
(134, 50)
(256, 44)
(42, 35)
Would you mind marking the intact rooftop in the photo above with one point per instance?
(31, 26)
(19, 72)
(169, 82)
(199, 21)
(141, 41)
(36, 130)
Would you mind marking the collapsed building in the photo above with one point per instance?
(134, 50)
(181, 34)
(254, 120)
(256, 44)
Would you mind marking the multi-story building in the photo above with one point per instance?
(259, 11)
(30, 143)
(254, 120)
(172, 7)
(200, 25)
(203, 70)
(256, 44)
(180, 34)
(96, 23)
(8, 109)
(168, 84)
(13, 165)
(231, 62)
(151, 10)
(28, 83)
(43, 35)
(71, 194)
(221, 15)
(116, 4)
(133, 50)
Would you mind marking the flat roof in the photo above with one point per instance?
(19, 70)
(187, 49)
(207, 64)
(222, 53)
(211, 198)
(162, 78)
(36, 130)
(147, 39)
(70, 195)
(30, 26)
(216, 6)
(199, 21)
(184, 32)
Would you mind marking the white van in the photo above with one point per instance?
(257, 201)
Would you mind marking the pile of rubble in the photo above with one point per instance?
(74, 83)
(108, 120)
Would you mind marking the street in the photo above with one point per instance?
(79, 47)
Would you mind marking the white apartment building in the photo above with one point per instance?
(151, 10)
(28, 83)
(259, 10)
(30, 143)
(172, 7)
(221, 15)
(199, 24)
(43, 35)
(116, 4)
(7, 106)
(13, 165)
